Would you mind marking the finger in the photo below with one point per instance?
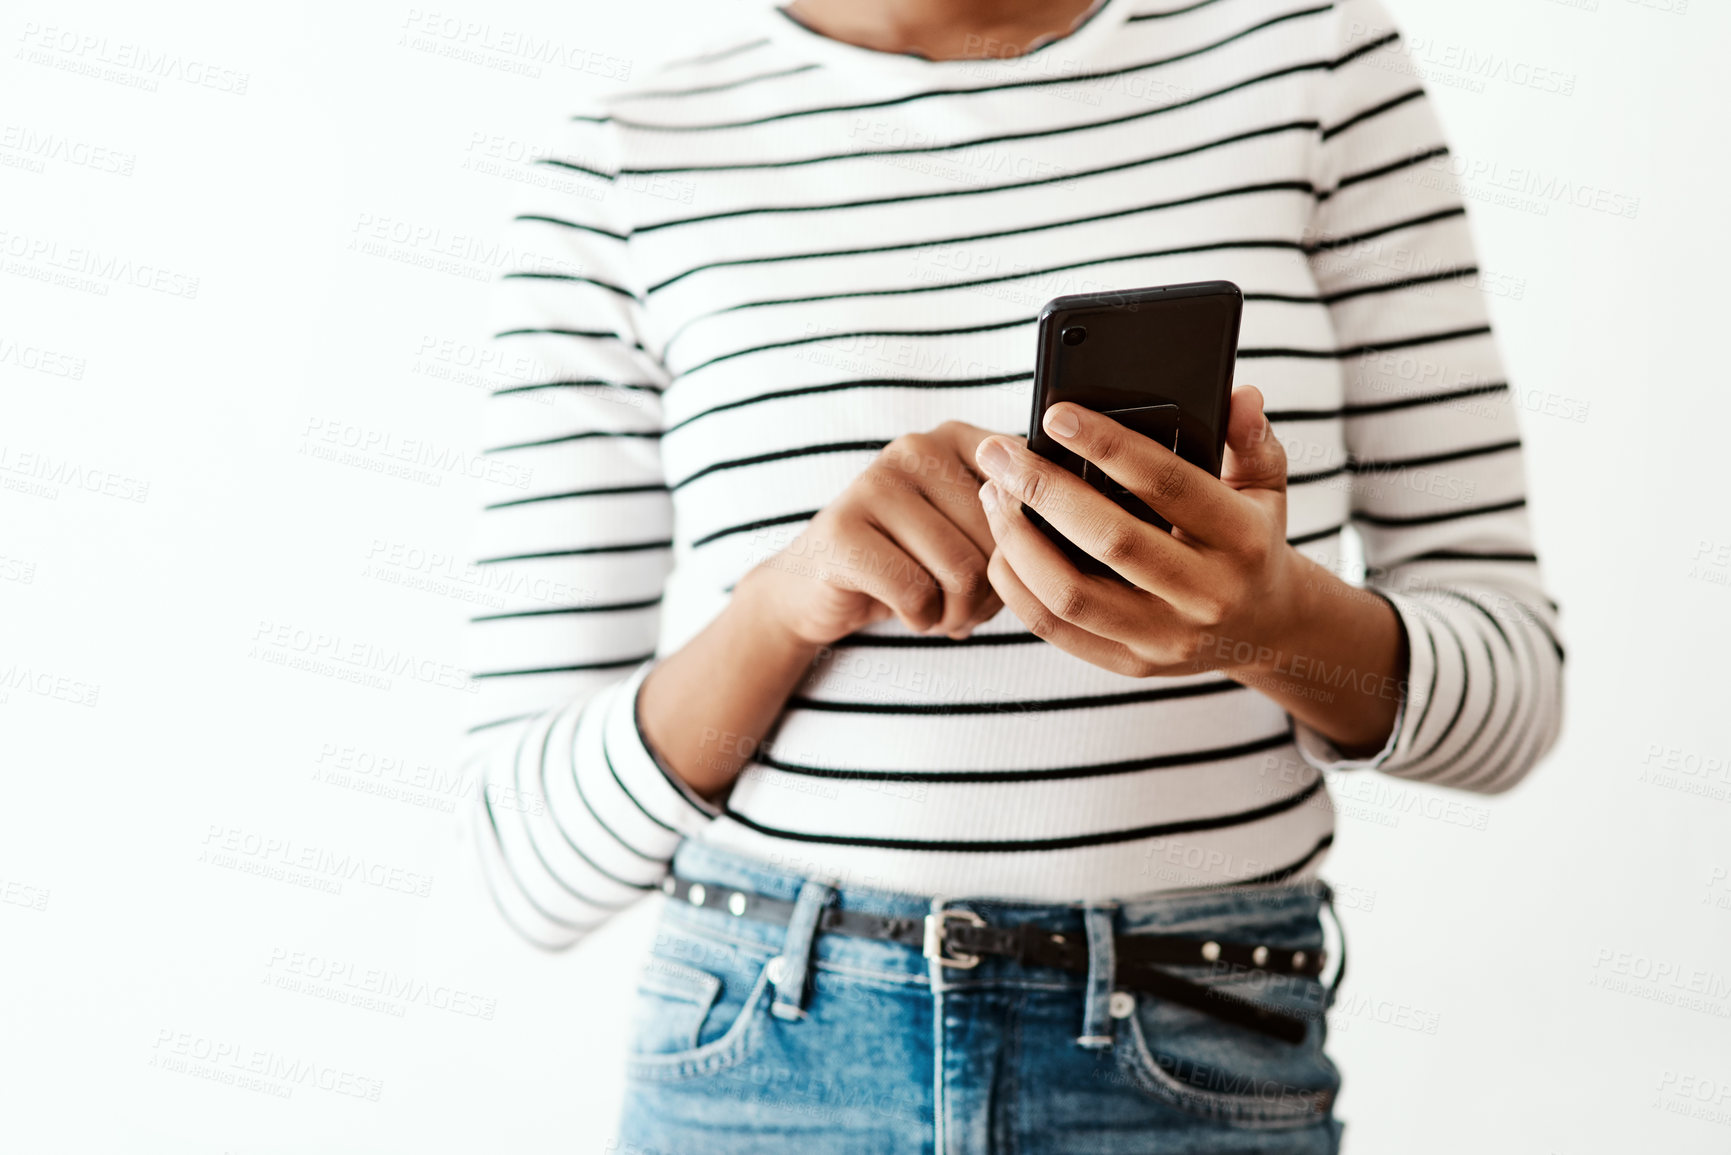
(1187, 496)
(1098, 605)
(957, 497)
(875, 565)
(961, 500)
(934, 466)
(946, 554)
(1145, 555)
(1255, 458)
(1043, 623)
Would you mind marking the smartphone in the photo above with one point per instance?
(1157, 360)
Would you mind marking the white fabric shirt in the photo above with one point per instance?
(742, 274)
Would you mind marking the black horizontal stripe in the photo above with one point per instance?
(1070, 842)
(817, 338)
(563, 223)
(1044, 774)
(918, 641)
(1276, 416)
(710, 89)
(496, 723)
(1393, 464)
(596, 608)
(1366, 409)
(1001, 138)
(1310, 478)
(606, 334)
(1345, 242)
(1059, 178)
(600, 491)
(1283, 873)
(1366, 49)
(1354, 179)
(807, 514)
(1107, 259)
(573, 166)
(1391, 520)
(581, 551)
(1373, 112)
(1440, 275)
(1170, 12)
(586, 435)
(612, 664)
(708, 58)
(972, 90)
(762, 523)
(1370, 408)
(572, 277)
(783, 455)
(900, 291)
(1467, 555)
(1315, 535)
(866, 383)
(1256, 354)
(578, 383)
(1021, 706)
(1303, 186)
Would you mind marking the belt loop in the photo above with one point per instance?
(1102, 964)
(1340, 933)
(790, 972)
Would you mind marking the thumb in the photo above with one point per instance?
(1255, 459)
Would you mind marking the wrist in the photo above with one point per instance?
(755, 609)
(1278, 631)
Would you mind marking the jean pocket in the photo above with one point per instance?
(1217, 1070)
(699, 1009)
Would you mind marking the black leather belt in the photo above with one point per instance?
(958, 938)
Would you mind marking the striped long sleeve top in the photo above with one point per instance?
(737, 278)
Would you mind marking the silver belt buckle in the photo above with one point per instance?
(936, 924)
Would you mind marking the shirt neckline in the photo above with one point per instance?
(1062, 53)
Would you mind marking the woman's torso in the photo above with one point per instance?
(1000, 765)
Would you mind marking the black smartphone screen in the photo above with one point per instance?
(1157, 360)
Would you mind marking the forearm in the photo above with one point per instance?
(705, 707)
(1336, 660)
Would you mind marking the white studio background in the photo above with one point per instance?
(230, 236)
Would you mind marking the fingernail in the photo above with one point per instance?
(989, 496)
(1061, 421)
(992, 456)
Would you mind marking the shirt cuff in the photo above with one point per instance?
(1324, 755)
(1416, 687)
(643, 773)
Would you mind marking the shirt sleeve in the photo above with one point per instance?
(576, 816)
(1433, 446)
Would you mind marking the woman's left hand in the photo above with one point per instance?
(1207, 596)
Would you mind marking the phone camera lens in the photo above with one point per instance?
(1075, 335)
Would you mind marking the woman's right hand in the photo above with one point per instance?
(907, 539)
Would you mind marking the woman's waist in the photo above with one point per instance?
(1284, 913)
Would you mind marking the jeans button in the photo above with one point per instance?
(777, 969)
(1121, 1004)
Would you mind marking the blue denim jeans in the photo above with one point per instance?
(754, 1037)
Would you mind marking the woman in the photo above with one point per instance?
(967, 850)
